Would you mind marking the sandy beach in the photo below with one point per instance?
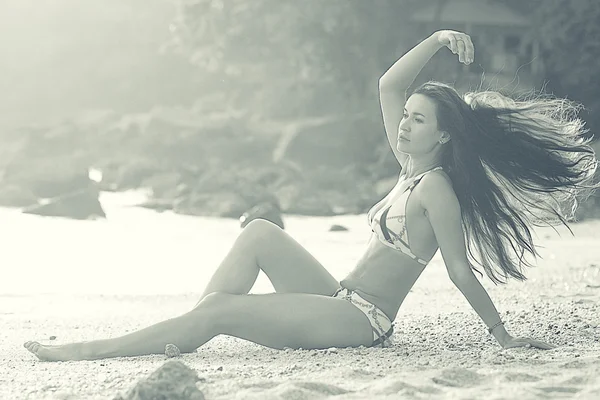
(83, 280)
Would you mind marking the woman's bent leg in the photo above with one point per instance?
(272, 320)
(264, 246)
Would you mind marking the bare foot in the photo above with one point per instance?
(66, 352)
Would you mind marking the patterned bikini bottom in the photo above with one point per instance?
(381, 324)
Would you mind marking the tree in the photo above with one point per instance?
(289, 58)
(569, 34)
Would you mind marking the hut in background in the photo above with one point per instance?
(506, 47)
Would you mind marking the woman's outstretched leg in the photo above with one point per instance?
(273, 320)
(188, 332)
(264, 246)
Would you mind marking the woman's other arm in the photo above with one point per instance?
(443, 211)
(398, 78)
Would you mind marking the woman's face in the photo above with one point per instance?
(418, 131)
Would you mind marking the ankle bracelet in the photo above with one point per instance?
(495, 326)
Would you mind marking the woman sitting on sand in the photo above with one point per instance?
(477, 173)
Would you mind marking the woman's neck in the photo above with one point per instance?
(417, 166)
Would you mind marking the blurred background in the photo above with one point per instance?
(214, 107)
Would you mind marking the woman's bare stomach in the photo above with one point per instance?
(383, 276)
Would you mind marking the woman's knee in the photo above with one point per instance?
(214, 308)
(213, 301)
(261, 229)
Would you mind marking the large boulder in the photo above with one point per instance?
(49, 162)
(327, 191)
(82, 204)
(164, 185)
(126, 175)
(13, 195)
(216, 204)
(219, 191)
(334, 142)
(302, 199)
(171, 381)
(48, 177)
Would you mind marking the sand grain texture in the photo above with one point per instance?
(441, 348)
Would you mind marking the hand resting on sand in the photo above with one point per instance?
(512, 342)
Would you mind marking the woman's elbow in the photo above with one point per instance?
(382, 83)
(386, 84)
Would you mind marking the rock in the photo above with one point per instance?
(14, 195)
(268, 210)
(47, 177)
(164, 199)
(315, 206)
(48, 161)
(128, 174)
(335, 142)
(82, 204)
(325, 191)
(343, 202)
(172, 381)
(52, 337)
(159, 205)
(172, 351)
(300, 199)
(59, 185)
(163, 184)
(218, 204)
(337, 228)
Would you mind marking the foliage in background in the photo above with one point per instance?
(570, 37)
(293, 58)
(286, 58)
(280, 58)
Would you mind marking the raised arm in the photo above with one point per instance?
(443, 212)
(396, 81)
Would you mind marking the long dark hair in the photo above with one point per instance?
(513, 164)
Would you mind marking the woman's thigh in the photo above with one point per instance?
(287, 264)
(293, 320)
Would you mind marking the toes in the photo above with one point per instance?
(32, 346)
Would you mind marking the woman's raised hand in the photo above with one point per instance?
(459, 43)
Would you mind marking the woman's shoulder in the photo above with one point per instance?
(436, 185)
(437, 178)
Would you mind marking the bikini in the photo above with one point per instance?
(391, 231)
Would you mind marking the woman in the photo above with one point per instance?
(475, 175)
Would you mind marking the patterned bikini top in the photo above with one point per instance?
(389, 223)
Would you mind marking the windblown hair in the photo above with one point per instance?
(514, 164)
